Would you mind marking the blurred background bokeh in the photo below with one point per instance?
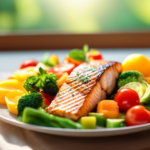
(74, 16)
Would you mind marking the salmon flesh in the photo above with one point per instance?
(84, 88)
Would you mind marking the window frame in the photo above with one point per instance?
(20, 42)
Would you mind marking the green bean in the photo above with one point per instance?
(36, 117)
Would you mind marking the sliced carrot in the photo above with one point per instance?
(147, 79)
(109, 108)
(62, 79)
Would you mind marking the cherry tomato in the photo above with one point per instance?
(47, 98)
(137, 115)
(62, 68)
(28, 63)
(126, 98)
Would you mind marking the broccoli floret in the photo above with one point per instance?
(43, 82)
(34, 100)
(29, 85)
(130, 76)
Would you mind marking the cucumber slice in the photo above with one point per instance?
(100, 119)
(115, 123)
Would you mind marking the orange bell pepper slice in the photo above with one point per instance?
(11, 99)
(62, 79)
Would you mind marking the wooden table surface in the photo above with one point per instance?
(15, 138)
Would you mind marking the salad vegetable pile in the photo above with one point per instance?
(35, 85)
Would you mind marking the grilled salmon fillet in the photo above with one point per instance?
(84, 88)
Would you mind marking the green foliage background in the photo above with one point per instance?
(74, 16)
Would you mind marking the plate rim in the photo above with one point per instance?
(98, 132)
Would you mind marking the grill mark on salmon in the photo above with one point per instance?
(84, 88)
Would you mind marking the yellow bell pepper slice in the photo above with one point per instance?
(11, 99)
(54, 58)
(23, 74)
(9, 85)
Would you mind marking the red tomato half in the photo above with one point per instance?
(137, 115)
(28, 63)
(62, 68)
(126, 98)
(47, 98)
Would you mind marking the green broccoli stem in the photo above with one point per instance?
(36, 117)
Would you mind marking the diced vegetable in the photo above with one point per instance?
(100, 119)
(36, 117)
(115, 123)
(88, 122)
(109, 108)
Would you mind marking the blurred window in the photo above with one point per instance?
(74, 16)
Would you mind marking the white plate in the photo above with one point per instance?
(8, 117)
